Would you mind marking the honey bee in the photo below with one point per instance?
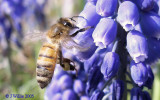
(50, 53)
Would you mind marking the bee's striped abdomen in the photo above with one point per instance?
(46, 64)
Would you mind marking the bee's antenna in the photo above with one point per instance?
(72, 18)
(78, 16)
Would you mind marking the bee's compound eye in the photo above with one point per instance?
(67, 24)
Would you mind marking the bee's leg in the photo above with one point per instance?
(68, 66)
(81, 30)
(66, 63)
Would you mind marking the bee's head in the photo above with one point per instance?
(66, 22)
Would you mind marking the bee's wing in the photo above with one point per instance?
(35, 35)
(68, 43)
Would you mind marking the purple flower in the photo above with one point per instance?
(92, 61)
(69, 95)
(138, 94)
(52, 89)
(93, 1)
(12, 7)
(94, 77)
(145, 5)
(139, 73)
(97, 95)
(150, 79)
(86, 41)
(89, 13)
(105, 32)
(150, 24)
(82, 75)
(14, 12)
(79, 87)
(128, 15)
(84, 98)
(65, 82)
(106, 7)
(117, 90)
(155, 8)
(110, 65)
(135, 93)
(57, 96)
(137, 46)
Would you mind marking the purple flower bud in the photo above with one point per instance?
(137, 46)
(128, 15)
(110, 65)
(69, 95)
(97, 95)
(117, 90)
(150, 79)
(154, 48)
(79, 87)
(95, 60)
(135, 93)
(145, 5)
(84, 98)
(139, 73)
(90, 15)
(101, 84)
(92, 1)
(105, 32)
(65, 82)
(57, 96)
(106, 7)
(150, 24)
(94, 77)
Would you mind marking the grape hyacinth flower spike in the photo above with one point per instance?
(124, 41)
